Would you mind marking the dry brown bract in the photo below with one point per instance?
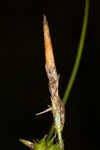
(57, 105)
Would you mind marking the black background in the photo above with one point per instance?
(23, 81)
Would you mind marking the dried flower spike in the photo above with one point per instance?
(57, 104)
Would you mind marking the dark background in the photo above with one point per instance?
(23, 80)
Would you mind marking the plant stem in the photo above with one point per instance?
(50, 132)
(60, 141)
(77, 60)
(79, 53)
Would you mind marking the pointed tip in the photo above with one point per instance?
(45, 111)
(44, 20)
(27, 143)
(44, 17)
(48, 45)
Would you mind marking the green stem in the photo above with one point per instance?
(77, 61)
(60, 141)
(79, 53)
(50, 132)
